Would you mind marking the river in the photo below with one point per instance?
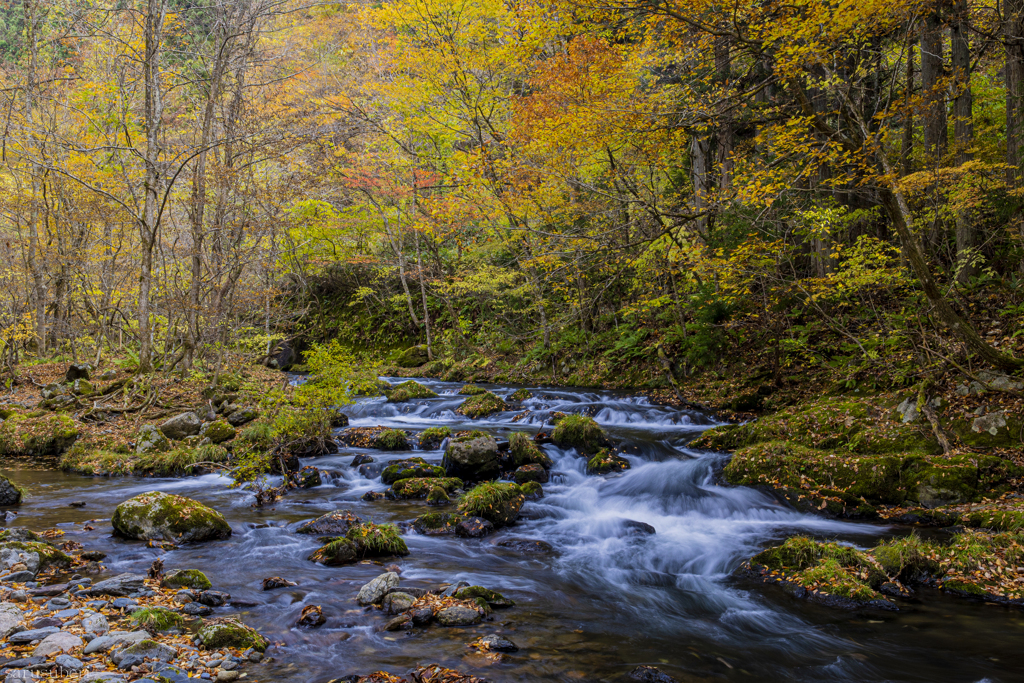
(601, 603)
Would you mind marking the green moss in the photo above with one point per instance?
(606, 462)
(997, 520)
(20, 535)
(391, 440)
(49, 556)
(463, 437)
(520, 395)
(257, 435)
(375, 540)
(231, 633)
(906, 557)
(472, 390)
(410, 390)
(43, 435)
(187, 578)
(579, 432)
(436, 523)
(492, 598)
(481, 405)
(829, 568)
(433, 437)
(525, 452)
(532, 489)
(156, 619)
(410, 468)
(497, 502)
(438, 496)
(419, 488)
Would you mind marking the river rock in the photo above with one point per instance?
(10, 617)
(68, 664)
(496, 643)
(531, 473)
(162, 516)
(213, 598)
(526, 545)
(308, 477)
(335, 523)
(397, 602)
(103, 677)
(411, 468)
(474, 527)
(52, 391)
(57, 643)
(312, 617)
(195, 609)
(361, 459)
(149, 439)
(96, 624)
(145, 649)
(9, 493)
(631, 527)
(231, 633)
(123, 584)
(46, 622)
(20, 676)
(649, 674)
(242, 416)
(457, 615)
(9, 557)
(78, 371)
(180, 426)
(18, 577)
(472, 458)
(26, 637)
(276, 582)
(376, 589)
(114, 639)
(402, 621)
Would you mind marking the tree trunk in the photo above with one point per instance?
(1013, 35)
(726, 135)
(933, 89)
(963, 130)
(907, 149)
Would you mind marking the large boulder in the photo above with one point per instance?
(149, 439)
(335, 523)
(78, 371)
(412, 357)
(10, 617)
(411, 468)
(9, 493)
(218, 431)
(242, 415)
(480, 405)
(162, 516)
(122, 585)
(473, 457)
(180, 426)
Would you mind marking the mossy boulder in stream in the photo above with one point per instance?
(473, 457)
(375, 540)
(419, 488)
(433, 437)
(497, 502)
(335, 523)
(437, 523)
(186, 578)
(525, 452)
(391, 440)
(579, 432)
(472, 390)
(606, 462)
(49, 555)
(410, 390)
(410, 468)
(231, 633)
(162, 516)
(10, 493)
(481, 405)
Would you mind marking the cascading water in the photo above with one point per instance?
(605, 598)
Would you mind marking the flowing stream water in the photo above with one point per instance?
(599, 604)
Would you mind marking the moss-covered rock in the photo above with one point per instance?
(410, 390)
(520, 395)
(419, 488)
(149, 439)
(218, 431)
(481, 405)
(336, 552)
(49, 555)
(530, 473)
(492, 598)
(375, 540)
(391, 440)
(433, 437)
(873, 479)
(437, 523)
(438, 496)
(335, 523)
(157, 620)
(231, 633)
(410, 468)
(471, 390)
(10, 493)
(995, 429)
(525, 452)
(37, 434)
(606, 462)
(184, 460)
(473, 457)
(162, 516)
(186, 578)
(533, 490)
(579, 432)
(497, 502)
(412, 357)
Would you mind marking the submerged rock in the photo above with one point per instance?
(312, 617)
(473, 527)
(526, 545)
(162, 516)
(231, 633)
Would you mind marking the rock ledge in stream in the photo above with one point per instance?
(162, 516)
